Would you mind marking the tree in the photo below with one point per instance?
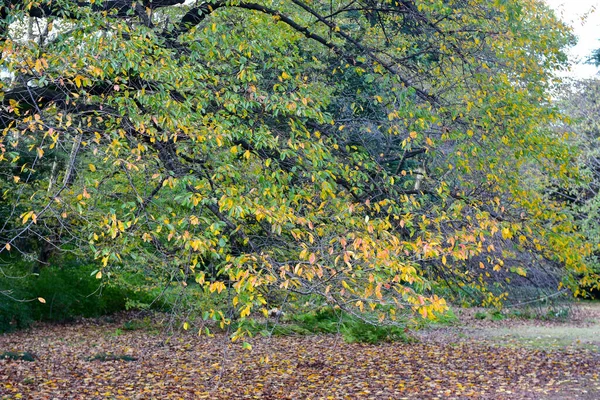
(366, 152)
(581, 102)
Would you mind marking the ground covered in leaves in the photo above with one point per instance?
(94, 359)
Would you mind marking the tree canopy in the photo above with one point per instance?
(375, 153)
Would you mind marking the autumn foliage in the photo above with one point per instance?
(382, 156)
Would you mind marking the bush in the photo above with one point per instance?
(361, 332)
(560, 314)
(480, 315)
(70, 291)
(446, 318)
(324, 320)
(329, 321)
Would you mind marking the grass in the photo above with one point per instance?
(111, 357)
(546, 337)
(550, 314)
(23, 356)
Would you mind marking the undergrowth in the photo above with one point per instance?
(68, 291)
(327, 320)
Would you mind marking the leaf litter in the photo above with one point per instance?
(187, 366)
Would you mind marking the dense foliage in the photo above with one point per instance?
(69, 292)
(373, 154)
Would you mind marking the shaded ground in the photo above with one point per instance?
(482, 359)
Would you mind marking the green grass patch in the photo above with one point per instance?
(111, 357)
(23, 356)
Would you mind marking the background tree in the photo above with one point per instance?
(581, 102)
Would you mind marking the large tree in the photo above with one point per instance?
(363, 151)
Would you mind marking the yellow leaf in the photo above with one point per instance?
(78, 80)
(186, 326)
(39, 67)
(26, 217)
(245, 311)
(92, 167)
(99, 275)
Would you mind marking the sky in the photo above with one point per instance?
(587, 30)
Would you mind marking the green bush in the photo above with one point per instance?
(523, 313)
(560, 314)
(328, 321)
(361, 332)
(69, 291)
(480, 315)
(324, 320)
(446, 318)
(496, 315)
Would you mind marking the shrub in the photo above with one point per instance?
(496, 315)
(480, 315)
(560, 314)
(69, 291)
(361, 332)
(328, 321)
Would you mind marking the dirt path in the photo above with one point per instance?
(480, 359)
